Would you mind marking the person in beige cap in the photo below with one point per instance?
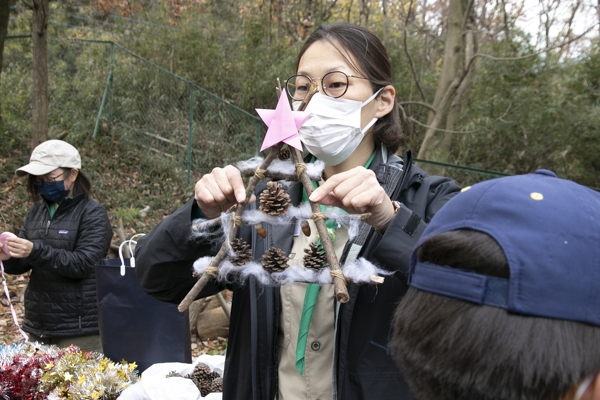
(62, 237)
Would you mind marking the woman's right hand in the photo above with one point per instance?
(218, 191)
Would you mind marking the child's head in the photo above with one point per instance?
(504, 300)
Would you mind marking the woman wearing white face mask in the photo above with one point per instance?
(341, 352)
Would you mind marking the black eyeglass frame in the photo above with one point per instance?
(322, 85)
(50, 181)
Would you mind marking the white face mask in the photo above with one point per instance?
(333, 131)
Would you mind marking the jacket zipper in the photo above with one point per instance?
(47, 227)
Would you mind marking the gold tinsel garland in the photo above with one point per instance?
(35, 371)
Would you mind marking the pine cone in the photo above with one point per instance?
(273, 200)
(172, 374)
(284, 154)
(274, 260)
(243, 252)
(201, 376)
(217, 385)
(314, 257)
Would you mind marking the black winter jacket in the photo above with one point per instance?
(364, 367)
(60, 299)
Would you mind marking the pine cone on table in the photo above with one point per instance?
(274, 260)
(274, 200)
(314, 257)
(243, 252)
(201, 376)
(217, 385)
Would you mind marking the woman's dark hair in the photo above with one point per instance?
(453, 349)
(372, 60)
(81, 186)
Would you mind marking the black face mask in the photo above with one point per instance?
(54, 192)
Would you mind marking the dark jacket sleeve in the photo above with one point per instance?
(164, 258)
(420, 202)
(93, 239)
(16, 266)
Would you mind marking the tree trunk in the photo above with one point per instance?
(453, 81)
(39, 32)
(364, 12)
(4, 17)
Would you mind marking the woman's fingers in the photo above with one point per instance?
(357, 191)
(219, 190)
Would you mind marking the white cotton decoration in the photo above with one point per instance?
(361, 271)
(201, 264)
(283, 167)
(251, 163)
(226, 224)
(258, 272)
(294, 273)
(205, 229)
(315, 170)
(228, 272)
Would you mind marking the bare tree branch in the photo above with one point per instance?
(410, 62)
(420, 103)
(436, 129)
(545, 50)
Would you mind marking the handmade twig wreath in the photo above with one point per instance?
(234, 259)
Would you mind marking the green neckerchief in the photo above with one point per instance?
(52, 209)
(312, 289)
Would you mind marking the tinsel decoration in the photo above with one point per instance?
(314, 257)
(274, 260)
(37, 371)
(284, 154)
(274, 200)
(243, 252)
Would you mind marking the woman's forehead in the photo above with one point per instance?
(324, 56)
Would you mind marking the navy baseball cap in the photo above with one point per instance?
(549, 230)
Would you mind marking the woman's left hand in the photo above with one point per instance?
(18, 247)
(357, 191)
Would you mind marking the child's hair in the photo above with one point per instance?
(453, 349)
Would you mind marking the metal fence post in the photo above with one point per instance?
(101, 110)
(112, 66)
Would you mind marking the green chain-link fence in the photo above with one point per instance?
(100, 88)
(176, 121)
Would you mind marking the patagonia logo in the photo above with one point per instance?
(63, 232)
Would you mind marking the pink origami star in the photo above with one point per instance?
(283, 124)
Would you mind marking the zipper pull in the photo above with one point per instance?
(47, 226)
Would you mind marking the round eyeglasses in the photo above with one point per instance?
(49, 181)
(334, 84)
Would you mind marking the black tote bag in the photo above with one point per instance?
(134, 326)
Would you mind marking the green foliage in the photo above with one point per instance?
(529, 114)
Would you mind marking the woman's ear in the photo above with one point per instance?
(385, 101)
